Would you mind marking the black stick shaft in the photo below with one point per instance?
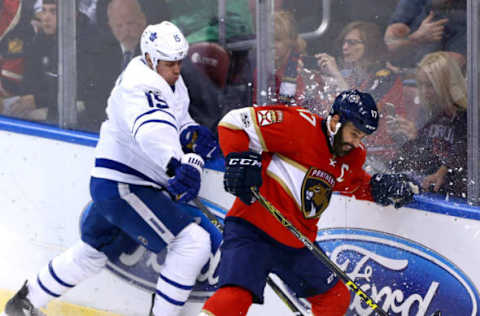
(318, 253)
(270, 282)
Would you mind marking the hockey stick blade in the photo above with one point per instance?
(276, 288)
(318, 253)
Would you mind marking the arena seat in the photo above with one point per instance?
(212, 59)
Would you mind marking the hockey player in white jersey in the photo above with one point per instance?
(149, 161)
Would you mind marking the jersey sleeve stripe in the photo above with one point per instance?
(154, 121)
(229, 125)
(154, 111)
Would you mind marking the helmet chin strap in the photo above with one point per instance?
(331, 134)
(337, 126)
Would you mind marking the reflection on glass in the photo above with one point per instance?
(37, 98)
(375, 51)
(436, 153)
(16, 36)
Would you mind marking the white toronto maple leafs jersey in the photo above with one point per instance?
(141, 133)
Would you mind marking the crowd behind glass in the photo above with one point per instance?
(409, 54)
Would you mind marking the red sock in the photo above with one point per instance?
(334, 302)
(228, 301)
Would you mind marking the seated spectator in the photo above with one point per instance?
(126, 21)
(341, 12)
(154, 11)
(39, 101)
(16, 34)
(437, 153)
(294, 83)
(423, 26)
(363, 65)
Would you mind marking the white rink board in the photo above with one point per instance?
(44, 185)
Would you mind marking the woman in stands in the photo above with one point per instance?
(438, 153)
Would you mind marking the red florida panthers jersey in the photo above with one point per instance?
(299, 172)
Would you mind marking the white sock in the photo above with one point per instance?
(63, 272)
(186, 256)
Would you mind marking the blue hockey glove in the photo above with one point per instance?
(242, 171)
(200, 140)
(397, 189)
(187, 177)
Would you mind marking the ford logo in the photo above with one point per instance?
(402, 276)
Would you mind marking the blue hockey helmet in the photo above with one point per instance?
(357, 107)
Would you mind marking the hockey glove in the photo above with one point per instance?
(185, 183)
(200, 140)
(397, 189)
(243, 170)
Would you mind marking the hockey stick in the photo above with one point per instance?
(214, 220)
(318, 253)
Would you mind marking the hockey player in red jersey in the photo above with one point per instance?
(296, 159)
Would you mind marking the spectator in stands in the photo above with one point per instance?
(294, 83)
(39, 102)
(126, 21)
(423, 26)
(16, 34)
(438, 152)
(153, 10)
(362, 64)
(341, 12)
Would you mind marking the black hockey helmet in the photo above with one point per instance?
(357, 107)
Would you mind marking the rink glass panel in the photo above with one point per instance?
(84, 82)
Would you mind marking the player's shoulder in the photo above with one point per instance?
(297, 118)
(280, 113)
(138, 76)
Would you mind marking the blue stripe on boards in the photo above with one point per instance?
(175, 284)
(44, 288)
(154, 121)
(153, 111)
(48, 131)
(435, 203)
(169, 299)
(54, 275)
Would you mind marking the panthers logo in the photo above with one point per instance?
(316, 192)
